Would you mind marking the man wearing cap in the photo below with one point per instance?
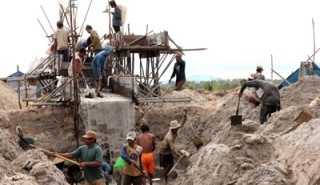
(179, 72)
(167, 149)
(270, 101)
(90, 156)
(133, 169)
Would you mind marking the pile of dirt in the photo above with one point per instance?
(273, 153)
(8, 98)
(29, 168)
(255, 154)
(51, 128)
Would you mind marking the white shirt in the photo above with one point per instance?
(70, 68)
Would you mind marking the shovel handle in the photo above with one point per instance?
(57, 155)
(238, 106)
(141, 172)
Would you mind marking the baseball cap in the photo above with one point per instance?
(90, 134)
(131, 136)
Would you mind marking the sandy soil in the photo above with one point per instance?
(274, 153)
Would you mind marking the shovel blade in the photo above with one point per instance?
(236, 120)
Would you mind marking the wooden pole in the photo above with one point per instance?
(110, 29)
(81, 28)
(18, 88)
(128, 29)
(44, 31)
(47, 18)
(271, 67)
(25, 88)
(74, 76)
(281, 76)
(314, 50)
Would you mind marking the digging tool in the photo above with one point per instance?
(196, 136)
(304, 116)
(54, 154)
(236, 119)
(151, 180)
(185, 154)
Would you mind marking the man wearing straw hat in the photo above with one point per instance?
(91, 159)
(167, 149)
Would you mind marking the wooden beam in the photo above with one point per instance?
(163, 100)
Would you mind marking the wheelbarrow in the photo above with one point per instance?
(236, 119)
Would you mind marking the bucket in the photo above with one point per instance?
(75, 173)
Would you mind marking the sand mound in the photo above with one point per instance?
(8, 98)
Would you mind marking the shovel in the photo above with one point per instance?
(56, 155)
(236, 119)
(184, 154)
(150, 180)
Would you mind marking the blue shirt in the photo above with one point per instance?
(99, 60)
(117, 17)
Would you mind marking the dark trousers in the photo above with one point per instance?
(116, 28)
(179, 84)
(135, 180)
(65, 54)
(266, 111)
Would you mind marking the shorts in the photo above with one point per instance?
(166, 160)
(147, 160)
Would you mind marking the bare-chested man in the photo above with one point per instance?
(147, 141)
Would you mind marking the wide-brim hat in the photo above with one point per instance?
(174, 124)
(90, 134)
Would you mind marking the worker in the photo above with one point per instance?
(106, 168)
(78, 60)
(61, 41)
(97, 66)
(258, 75)
(167, 149)
(270, 101)
(118, 170)
(94, 44)
(179, 72)
(147, 141)
(90, 156)
(255, 94)
(116, 16)
(131, 154)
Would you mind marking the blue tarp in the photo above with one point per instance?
(16, 74)
(294, 77)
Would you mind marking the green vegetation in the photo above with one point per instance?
(219, 84)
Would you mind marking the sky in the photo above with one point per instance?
(238, 34)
